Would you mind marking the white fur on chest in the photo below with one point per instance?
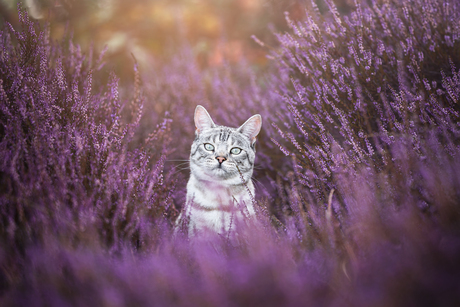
(213, 206)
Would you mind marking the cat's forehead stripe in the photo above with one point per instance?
(224, 134)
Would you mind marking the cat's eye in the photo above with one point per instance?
(235, 151)
(208, 147)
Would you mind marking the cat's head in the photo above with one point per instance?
(218, 151)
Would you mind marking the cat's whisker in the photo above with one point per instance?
(186, 160)
(259, 184)
(180, 169)
(181, 164)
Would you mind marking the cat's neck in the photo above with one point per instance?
(217, 186)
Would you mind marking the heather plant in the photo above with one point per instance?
(355, 85)
(68, 165)
(363, 211)
(390, 256)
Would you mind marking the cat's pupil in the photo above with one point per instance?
(208, 147)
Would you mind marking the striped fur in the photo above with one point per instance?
(216, 193)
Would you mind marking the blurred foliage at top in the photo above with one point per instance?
(217, 30)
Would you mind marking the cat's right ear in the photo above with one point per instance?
(202, 119)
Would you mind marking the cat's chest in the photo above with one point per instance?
(216, 207)
(215, 220)
(216, 197)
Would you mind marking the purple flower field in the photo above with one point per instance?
(357, 168)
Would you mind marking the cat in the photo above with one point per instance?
(220, 190)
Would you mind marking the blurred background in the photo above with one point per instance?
(217, 31)
(189, 52)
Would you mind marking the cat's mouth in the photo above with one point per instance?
(219, 168)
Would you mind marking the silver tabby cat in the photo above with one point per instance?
(220, 159)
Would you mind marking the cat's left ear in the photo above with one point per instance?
(251, 127)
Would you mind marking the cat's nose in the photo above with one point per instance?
(221, 159)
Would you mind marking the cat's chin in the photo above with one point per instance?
(222, 173)
(217, 175)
